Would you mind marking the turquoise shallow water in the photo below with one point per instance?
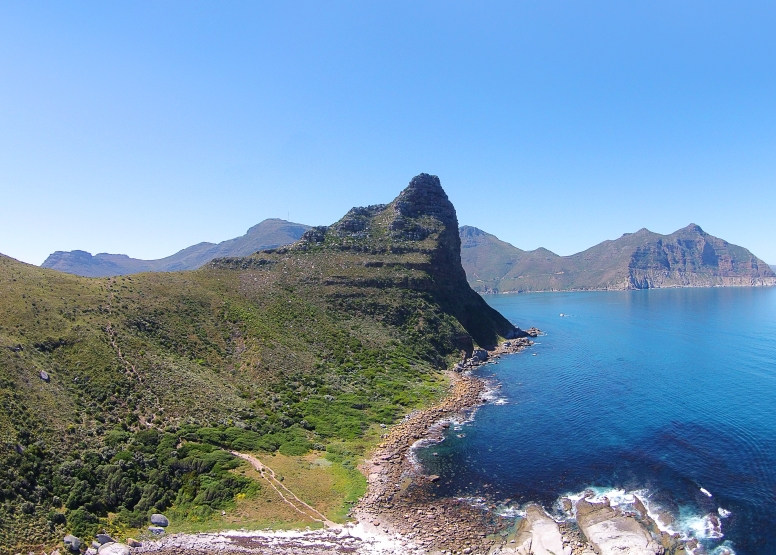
(668, 391)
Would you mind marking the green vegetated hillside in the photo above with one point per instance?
(268, 234)
(689, 257)
(120, 395)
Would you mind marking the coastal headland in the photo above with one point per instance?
(125, 396)
(398, 514)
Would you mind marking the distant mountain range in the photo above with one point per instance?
(268, 234)
(689, 257)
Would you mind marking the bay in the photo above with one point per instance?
(666, 392)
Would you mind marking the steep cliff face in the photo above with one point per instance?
(421, 213)
(413, 243)
(689, 257)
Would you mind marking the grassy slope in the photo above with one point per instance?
(150, 374)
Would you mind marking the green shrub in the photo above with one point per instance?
(82, 523)
(295, 447)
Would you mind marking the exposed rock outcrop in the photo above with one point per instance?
(73, 543)
(545, 535)
(613, 533)
(113, 548)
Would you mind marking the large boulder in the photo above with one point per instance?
(102, 539)
(159, 520)
(72, 543)
(480, 355)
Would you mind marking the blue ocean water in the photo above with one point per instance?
(667, 391)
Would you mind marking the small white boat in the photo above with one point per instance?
(705, 492)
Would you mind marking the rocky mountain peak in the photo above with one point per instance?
(421, 225)
(470, 232)
(694, 228)
(421, 210)
(424, 196)
(270, 233)
(688, 257)
(420, 218)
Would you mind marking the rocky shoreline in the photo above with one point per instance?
(400, 515)
(398, 500)
(396, 515)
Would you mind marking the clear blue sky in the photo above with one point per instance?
(144, 127)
